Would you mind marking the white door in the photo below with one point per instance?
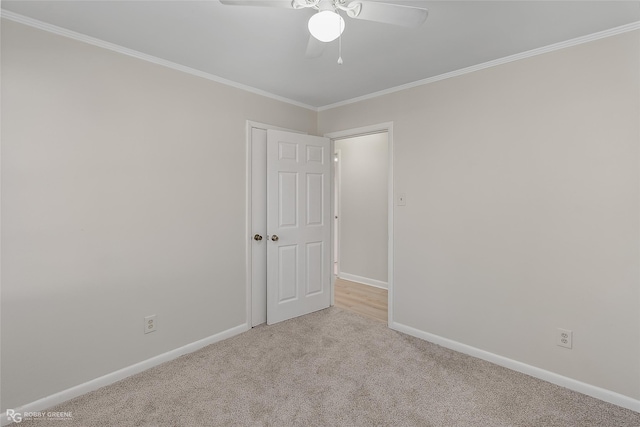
(298, 225)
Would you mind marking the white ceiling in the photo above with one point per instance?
(264, 48)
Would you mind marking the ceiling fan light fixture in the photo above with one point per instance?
(326, 25)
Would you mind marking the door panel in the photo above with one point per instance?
(298, 212)
(288, 277)
(288, 209)
(315, 200)
(314, 268)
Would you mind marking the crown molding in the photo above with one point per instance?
(12, 16)
(523, 55)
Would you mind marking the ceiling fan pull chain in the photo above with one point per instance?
(340, 48)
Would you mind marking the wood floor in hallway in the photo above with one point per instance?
(363, 299)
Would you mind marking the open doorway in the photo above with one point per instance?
(362, 205)
(256, 209)
(288, 224)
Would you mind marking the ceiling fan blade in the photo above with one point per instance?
(396, 14)
(315, 48)
(264, 3)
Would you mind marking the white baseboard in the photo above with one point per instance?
(63, 396)
(571, 384)
(363, 280)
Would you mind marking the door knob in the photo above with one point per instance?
(275, 237)
(257, 237)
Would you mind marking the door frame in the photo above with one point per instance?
(337, 212)
(348, 133)
(250, 124)
(360, 131)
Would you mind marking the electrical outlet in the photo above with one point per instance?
(150, 324)
(564, 338)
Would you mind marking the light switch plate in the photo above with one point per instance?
(402, 199)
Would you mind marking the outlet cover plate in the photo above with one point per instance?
(564, 338)
(150, 324)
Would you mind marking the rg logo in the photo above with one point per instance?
(14, 416)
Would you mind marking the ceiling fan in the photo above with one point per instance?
(327, 24)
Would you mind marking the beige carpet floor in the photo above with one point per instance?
(334, 368)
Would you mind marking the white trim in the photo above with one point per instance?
(12, 16)
(363, 280)
(335, 238)
(334, 241)
(248, 256)
(105, 380)
(364, 130)
(511, 58)
(337, 210)
(391, 249)
(570, 383)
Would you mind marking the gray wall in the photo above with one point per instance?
(123, 195)
(522, 214)
(363, 206)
